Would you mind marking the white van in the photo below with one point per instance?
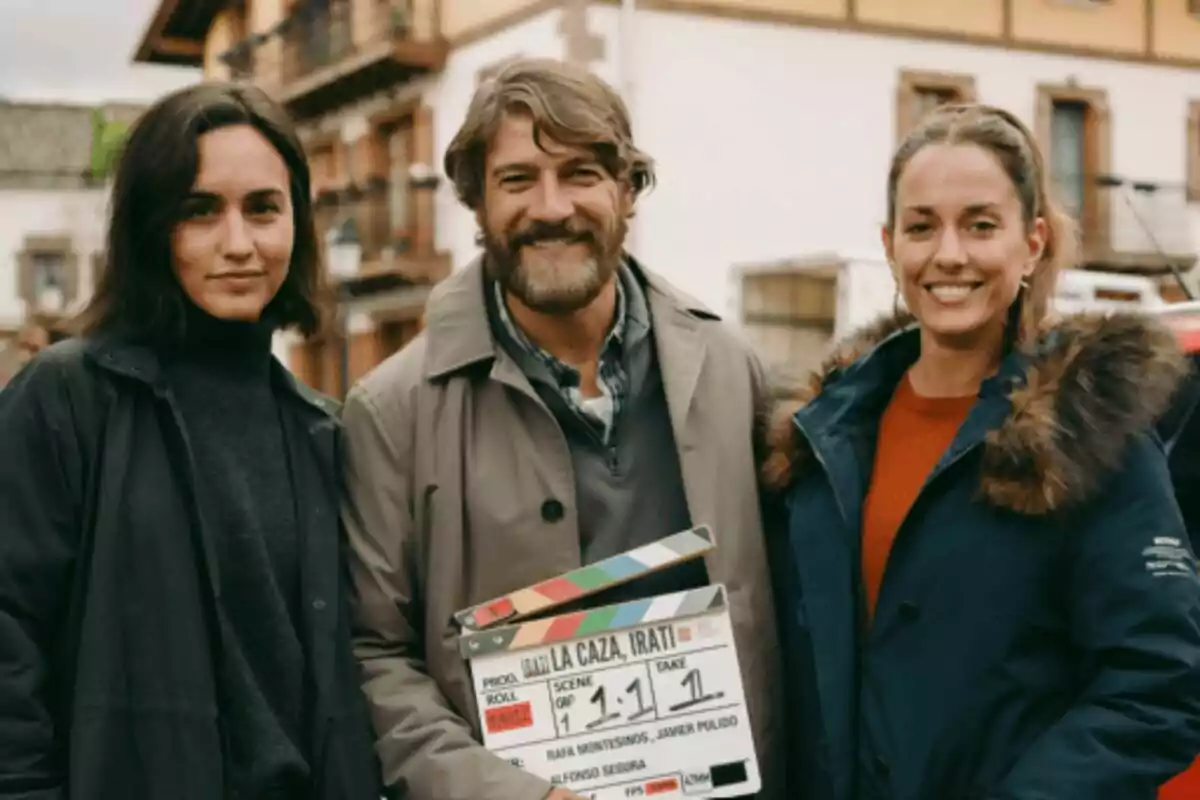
(1082, 290)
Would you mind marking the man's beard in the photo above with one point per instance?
(550, 287)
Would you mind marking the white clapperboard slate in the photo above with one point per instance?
(639, 699)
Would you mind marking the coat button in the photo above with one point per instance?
(319, 604)
(552, 510)
(910, 611)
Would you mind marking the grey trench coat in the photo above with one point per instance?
(450, 456)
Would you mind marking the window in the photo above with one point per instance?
(922, 92)
(316, 35)
(1073, 129)
(395, 208)
(399, 210)
(789, 315)
(928, 99)
(49, 281)
(1068, 156)
(48, 274)
(340, 34)
(386, 219)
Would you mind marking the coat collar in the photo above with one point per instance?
(459, 334)
(141, 363)
(1073, 400)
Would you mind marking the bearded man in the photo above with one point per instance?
(563, 405)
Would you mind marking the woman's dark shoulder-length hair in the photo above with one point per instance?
(138, 293)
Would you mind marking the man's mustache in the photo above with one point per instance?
(552, 231)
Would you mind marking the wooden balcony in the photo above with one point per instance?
(334, 52)
(1136, 227)
(397, 248)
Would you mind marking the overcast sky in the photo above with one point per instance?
(79, 51)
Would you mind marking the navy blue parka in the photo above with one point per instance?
(1037, 633)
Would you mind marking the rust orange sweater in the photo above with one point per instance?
(913, 433)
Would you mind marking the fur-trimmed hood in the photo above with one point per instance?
(1091, 382)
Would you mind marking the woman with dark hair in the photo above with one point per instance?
(171, 613)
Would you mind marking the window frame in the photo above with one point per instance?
(422, 210)
(823, 274)
(1095, 222)
(382, 137)
(1192, 151)
(913, 82)
(34, 246)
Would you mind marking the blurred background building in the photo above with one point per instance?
(772, 122)
(54, 165)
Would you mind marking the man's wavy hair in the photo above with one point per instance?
(138, 293)
(567, 103)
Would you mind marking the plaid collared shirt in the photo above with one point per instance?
(612, 379)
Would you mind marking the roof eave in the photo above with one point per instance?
(157, 48)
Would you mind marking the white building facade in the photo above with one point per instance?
(772, 143)
(50, 241)
(50, 245)
(53, 209)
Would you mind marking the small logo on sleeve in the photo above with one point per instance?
(1168, 558)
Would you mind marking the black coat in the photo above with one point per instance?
(1037, 633)
(109, 613)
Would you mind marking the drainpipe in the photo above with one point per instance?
(626, 33)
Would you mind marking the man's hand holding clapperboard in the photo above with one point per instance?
(642, 698)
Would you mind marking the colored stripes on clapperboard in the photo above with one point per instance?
(588, 623)
(588, 580)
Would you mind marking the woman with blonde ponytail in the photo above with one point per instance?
(988, 590)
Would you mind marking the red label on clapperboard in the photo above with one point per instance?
(509, 718)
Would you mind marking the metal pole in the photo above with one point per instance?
(1146, 229)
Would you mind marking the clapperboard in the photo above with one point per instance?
(638, 699)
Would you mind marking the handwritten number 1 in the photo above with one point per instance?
(601, 698)
(635, 689)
